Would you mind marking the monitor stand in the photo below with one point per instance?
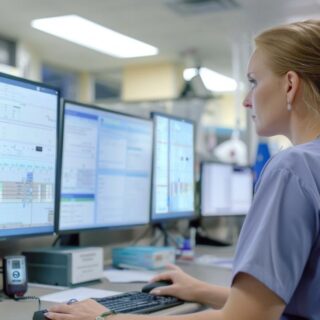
(67, 240)
(167, 238)
(203, 238)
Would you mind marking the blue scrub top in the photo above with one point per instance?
(280, 240)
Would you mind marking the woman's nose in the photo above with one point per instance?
(247, 102)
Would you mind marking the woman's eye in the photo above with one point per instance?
(252, 82)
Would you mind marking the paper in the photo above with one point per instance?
(79, 294)
(46, 286)
(210, 260)
(125, 276)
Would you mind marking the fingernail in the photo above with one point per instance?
(155, 292)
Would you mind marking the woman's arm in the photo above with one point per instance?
(191, 289)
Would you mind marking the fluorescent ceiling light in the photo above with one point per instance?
(212, 80)
(91, 35)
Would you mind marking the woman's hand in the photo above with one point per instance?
(183, 286)
(83, 310)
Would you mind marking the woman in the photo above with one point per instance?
(276, 271)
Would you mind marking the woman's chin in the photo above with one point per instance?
(264, 133)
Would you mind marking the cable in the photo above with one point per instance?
(17, 298)
(56, 241)
(141, 236)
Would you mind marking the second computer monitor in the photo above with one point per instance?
(106, 169)
(173, 168)
(226, 190)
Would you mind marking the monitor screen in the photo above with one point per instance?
(28, 155)
(106, 169)
(173, 168)
(225, 189)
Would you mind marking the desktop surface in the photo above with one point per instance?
(23, 310)
(106, 169)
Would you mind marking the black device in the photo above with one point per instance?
(138, 302)
(39, 315)
(152, 285)
(15, 280)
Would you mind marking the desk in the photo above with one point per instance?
(23, 310)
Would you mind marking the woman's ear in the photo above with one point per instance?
(292, 80)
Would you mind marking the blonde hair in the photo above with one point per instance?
(296, 47)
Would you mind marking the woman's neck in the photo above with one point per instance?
(305, 129)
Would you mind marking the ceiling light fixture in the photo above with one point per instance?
(94, 36)
(212, 80)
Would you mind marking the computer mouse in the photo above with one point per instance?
(39, 315)
(152, 285)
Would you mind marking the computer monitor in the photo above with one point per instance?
(29, 124)
(226, 190)
(106, 169)
(173, 168)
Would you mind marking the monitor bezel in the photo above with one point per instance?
(101, 228)
(57, 159)
(222, 214)
(184, 215)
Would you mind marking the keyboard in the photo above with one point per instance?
(130, 302)
(138, 302)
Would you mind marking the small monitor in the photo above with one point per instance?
(226, 190)
(173, 168)
(29, 124)
(106, 169)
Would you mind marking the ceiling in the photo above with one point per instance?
(209, 33)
